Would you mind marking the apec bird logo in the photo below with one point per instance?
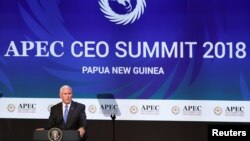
(122, 11)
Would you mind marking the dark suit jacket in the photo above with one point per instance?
(76, 117)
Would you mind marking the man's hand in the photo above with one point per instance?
(81, 131)
(40, 129)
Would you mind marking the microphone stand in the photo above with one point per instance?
(113, 117)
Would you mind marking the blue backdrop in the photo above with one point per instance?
(168, 21)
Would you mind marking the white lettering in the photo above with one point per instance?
(90, 49)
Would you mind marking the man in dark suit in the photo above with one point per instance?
(68, 115)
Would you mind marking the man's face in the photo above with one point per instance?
(66, 95)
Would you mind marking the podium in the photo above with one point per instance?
(67, 135)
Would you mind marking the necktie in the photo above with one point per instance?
(66, 111)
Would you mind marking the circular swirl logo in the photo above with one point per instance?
(175, 110)
(92, 108)
(218, 110)
(133, 109)
(11, 107)
(122, 11)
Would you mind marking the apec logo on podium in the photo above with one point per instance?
(122, 11)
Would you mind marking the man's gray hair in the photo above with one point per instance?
(65, 87)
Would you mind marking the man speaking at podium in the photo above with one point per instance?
(68, 115)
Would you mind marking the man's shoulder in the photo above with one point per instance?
(58, 105)
(77, 104)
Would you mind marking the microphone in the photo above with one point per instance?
(112, 114)
(113, 117)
